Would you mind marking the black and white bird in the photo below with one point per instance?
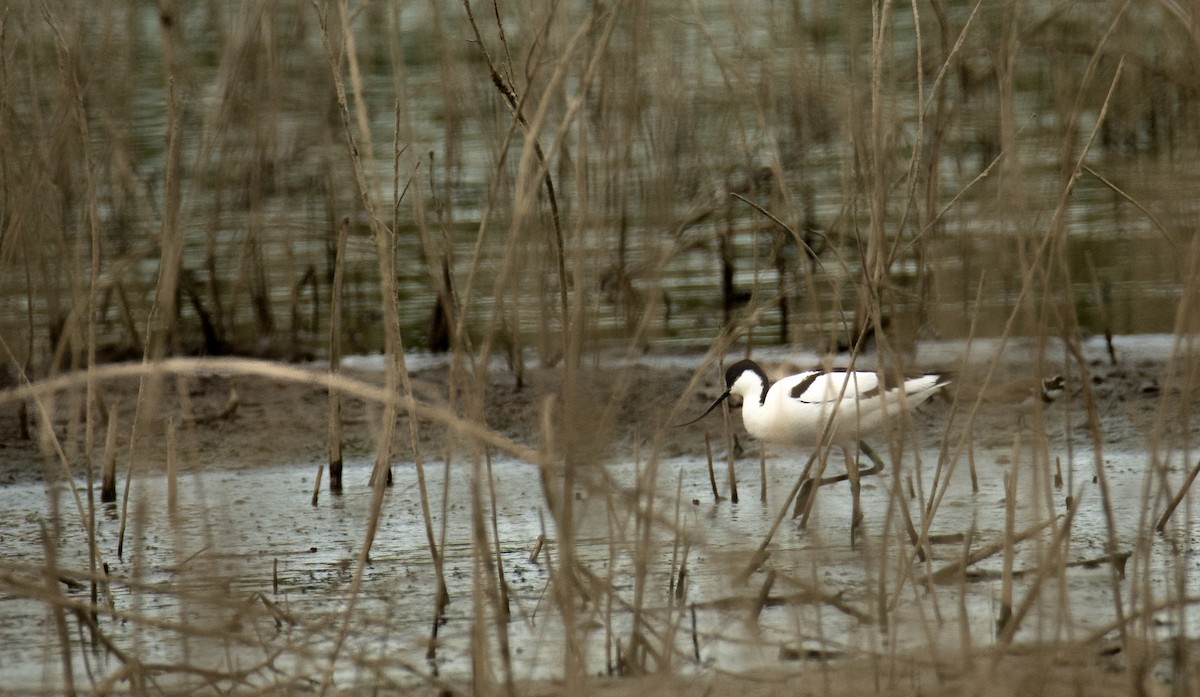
(799, 408)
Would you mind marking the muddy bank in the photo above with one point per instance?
(616, 406)
(247, 561)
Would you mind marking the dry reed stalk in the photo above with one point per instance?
(162, 328)
(564, 579)
(514, 103)
(498, 592)
(442, 594)
(335, 361)
(1071, 335)
(503, 610)
(51, 446)
(92, 223)
(570, 316)
(397, 374)
(358, 138)
(764, 592)
(276, 371)
(1182, 376)
(1053, 234)
(483, 593)
(1006, 634)
(677, 571)
(384, 238)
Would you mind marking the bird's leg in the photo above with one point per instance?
(806, 488)
(852, 473)
(876, 462)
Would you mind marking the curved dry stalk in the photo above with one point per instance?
(284, 373)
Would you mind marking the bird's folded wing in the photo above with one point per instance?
(817, 387)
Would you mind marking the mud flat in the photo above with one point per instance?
(245, 585)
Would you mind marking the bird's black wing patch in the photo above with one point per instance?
(802, 386)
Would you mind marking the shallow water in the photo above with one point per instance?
(190, 589)
(266, 179)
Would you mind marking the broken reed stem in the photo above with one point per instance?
(1011, 478)
(675, 592)
(335, 362)
(172, 470)
(712, 475)
(108, 477)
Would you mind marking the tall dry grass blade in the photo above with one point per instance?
(358, 137)
(565, 578)
(50, 549)
(1071, 335)
(504, 609)
(67, 60)
(397, 377)
(483, 581)
(514, 102)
